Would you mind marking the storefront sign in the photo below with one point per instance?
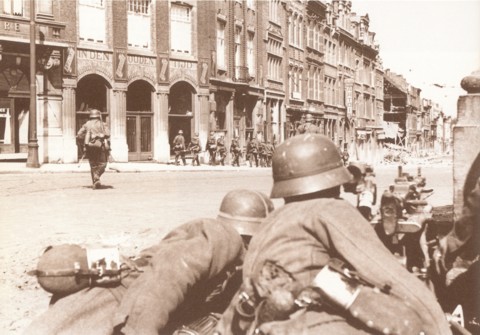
(183, 70)
(349, 97)
(94, 55)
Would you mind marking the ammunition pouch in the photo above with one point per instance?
(374, 307)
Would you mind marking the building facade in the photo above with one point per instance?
(241, 68)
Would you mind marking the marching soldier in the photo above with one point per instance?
(252, 151)
(179, 148)
(195, 148)
(211, 147)
(308, 127)
(269, 149)
(316, 265)
(191, 272)
(221, 149)
(95, 137)
(236, 151)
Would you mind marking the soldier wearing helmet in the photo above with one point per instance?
(179, 148)
(211, 147)
(194, 270)
(236, 151)
(94, 137)
(308, 126)
(316, 265)
(195, 148)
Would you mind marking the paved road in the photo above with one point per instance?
(133, 210)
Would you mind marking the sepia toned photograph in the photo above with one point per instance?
(239, 167)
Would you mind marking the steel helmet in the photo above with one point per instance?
(58, 269)
(308, 118)
(180, 132)
(245, 210)
(95, 114)
(306, 164)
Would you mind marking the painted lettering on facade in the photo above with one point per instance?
(349, 96)
(12, 26)
(94, 55)
(140, 60)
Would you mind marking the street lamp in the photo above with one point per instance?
(32, 158)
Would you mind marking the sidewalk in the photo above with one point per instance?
(20, 167)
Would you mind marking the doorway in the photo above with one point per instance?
(139, 121)
(180, 116)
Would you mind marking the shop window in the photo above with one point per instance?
(92, 20)
(139, 16)
(181, 29)
(13, 7)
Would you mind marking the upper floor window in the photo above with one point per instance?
(251, 4)
(45, 7)
(221, 44)
(139, 16)
(273, 10)
(251, 53)
(13, 7)
(181, 29)
(238, 51)
(92, 20)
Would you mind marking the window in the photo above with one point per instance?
(273, 10)
(221, 45)
(139, 23)
(181, 29)
(13, 7)
(238, 51)
(45, 7)
(92, 20)
(251, 54)
(251, 4)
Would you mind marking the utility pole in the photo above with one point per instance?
(32, 158)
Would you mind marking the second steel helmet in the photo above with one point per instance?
(95, 114)
(245, 210)
(306, 164)
(180, 132)
(309, 118)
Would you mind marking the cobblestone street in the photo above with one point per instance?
(132, 210)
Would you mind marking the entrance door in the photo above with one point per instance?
(139, 137)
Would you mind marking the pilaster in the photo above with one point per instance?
(161, 146)
(68, 121)
(118, 122)
(466, 139)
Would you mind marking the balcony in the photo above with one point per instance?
(241, 74)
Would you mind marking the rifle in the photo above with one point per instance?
(81, 159)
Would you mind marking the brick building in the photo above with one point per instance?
(238, 68)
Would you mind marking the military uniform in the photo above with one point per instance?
(211, 147)
(287, 273)
(179, 148)
(94, 131)
(235, 151)
(252, 151)
(195, 148)
(196, 255)
(221, 149)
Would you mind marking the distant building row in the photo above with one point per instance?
(239, 68)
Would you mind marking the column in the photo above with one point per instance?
(466, 142)
(70, 150)
(202, 116)
(118, 122)
(161, 148)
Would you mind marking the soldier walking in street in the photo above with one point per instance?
(269, 149)
(193, 271)
(194, 147)
(252, 151)
(316, 265)
(179, 148)
(221, 149)
(211, 147)
(236, 151)
(95, 138)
